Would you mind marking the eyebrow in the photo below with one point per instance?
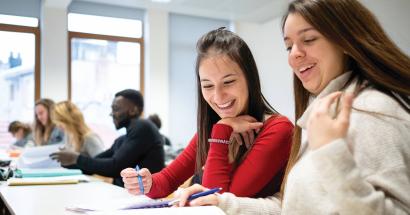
(301, 32)
(226, 76)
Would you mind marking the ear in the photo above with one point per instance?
(134, 111)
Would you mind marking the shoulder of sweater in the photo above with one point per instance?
(375, 101)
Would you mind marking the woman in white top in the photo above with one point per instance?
(79, 137)
(334, 167)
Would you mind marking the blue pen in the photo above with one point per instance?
(140, 184)
(197, 195)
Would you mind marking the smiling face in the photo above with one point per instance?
(313, 58)
(223, 86)
(120, 112)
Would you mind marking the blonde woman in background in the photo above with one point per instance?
(45, 131)
(79, 137)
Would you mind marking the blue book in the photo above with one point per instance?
(50, 172)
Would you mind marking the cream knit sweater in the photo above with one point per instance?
(366, 173)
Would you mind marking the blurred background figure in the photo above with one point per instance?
(22, 133)
(78, 136)
(45, 131)
(157, 121)
(170, 152)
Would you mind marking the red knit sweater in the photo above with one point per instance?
(264, 163)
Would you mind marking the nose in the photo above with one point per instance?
(296, 52)
(219, 94)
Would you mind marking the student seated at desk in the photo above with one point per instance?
(78, 136)
(239, 135)
(22, 133)
(142, 144)
(45, 131)
(355, 158)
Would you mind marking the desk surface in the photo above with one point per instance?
(53, 199)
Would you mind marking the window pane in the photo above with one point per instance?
(99, 69)
(18, 20)
(104, 25)
(17, 57)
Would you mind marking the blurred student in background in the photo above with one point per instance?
(157, 121)
(78, 136)
(45, 131)
(22, 133)
(142, 144)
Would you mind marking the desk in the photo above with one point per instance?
(52, 199)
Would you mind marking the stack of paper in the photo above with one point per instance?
(38, 157)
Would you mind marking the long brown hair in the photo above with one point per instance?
(70, 117)
(224, 42)
(42, 132)
(372, 56)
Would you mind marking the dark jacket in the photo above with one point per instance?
(142, 145)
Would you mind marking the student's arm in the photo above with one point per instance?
(139, 140)
(267, 158)
(170, 178)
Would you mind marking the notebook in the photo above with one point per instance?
(49, 172)
(202, 210)
(74, 179)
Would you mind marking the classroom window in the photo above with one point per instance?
(100, 66)
(19, 72)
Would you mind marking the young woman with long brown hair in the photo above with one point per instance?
(45, 131)
(239, 135)
(337, 47)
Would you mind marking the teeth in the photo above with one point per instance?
(306, 67)
(225, 104)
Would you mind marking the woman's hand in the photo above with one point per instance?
(130, 179)
(322, 128)
(211, 199)
(243, 127)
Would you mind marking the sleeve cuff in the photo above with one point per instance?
(221, 131)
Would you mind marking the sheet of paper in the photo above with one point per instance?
(114, 204)
(39, 157)
(203, 210)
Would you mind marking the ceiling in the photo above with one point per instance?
(236, 10)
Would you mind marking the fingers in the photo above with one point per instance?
(128, 172)
(251, 137)
(326, 101)
(205, 200)
(344, 115)
(144, 172)
(196, 188)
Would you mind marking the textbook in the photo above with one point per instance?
(74, 179)
(48, 172)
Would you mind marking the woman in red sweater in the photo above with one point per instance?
(240, 138)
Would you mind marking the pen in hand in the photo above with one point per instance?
(196, 195)
(140, 184)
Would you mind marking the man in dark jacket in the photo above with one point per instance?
(142, 144)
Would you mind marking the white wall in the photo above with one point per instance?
(156, 66)
(265, 41)
(54, 65)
